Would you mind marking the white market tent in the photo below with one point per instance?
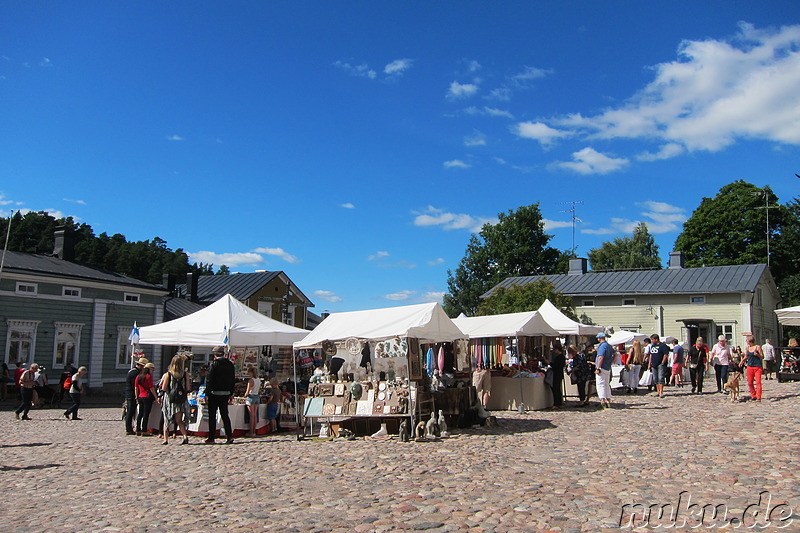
(225, 322)
(426, 322)
(624, 337)
(564, 324)
(789, 316)
(529, 324)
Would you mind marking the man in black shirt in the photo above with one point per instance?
(130, 394)
(219, 388)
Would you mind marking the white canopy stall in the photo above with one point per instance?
(564, 324)
(789, 316)
(396, 335)
(624, 337)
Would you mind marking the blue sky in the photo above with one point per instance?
(355, 145)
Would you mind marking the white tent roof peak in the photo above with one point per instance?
(564, 324)
(528, 323)
(427, 322)
(789, 316)
(226, 321)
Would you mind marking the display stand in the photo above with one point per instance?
(509, 393)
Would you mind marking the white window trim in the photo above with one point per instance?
(64, 290)
(27, 284)
(123, 332)
(693, 296)
(132, 297)
(629, 305)
(21, 325)
(585, 304)
(71, 328)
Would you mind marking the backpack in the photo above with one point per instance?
(67, 382)
(177, 390)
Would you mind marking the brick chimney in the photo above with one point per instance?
(64, 246)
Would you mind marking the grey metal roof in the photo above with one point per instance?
(179, 307)
(240, 286)
(701, 280)
(36, 264)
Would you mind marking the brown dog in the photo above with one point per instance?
(732, 386)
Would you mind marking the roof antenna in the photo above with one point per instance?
(575, 219)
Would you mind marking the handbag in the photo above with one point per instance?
(573, 378)
(647, 378)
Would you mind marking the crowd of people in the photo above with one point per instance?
(653, 363)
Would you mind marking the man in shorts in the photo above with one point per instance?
(657, 355)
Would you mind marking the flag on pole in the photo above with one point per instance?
(134, 336)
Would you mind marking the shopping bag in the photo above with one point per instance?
(647, 379)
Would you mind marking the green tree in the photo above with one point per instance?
(515, 246)
(637, 251)
(731, 229)
(223, 271)
(528, 297)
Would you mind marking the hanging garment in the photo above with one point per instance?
(429, 362)
(441, 359)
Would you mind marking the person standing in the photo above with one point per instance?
(69, 371)
(634, 366)
(252, 399)
(145, 396)
(219, 389)
(769, 359)
(603, 361)
(5, 377)
(273, 404)
(130, 394)
(754, 360)
(678, 361)
(721, 357)
(558, 361)
(582, 370)
(76, 390)
(174, 403)
(657, 354)
(27, 381)
(698, 364)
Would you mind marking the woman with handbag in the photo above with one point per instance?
(633, 368)
(698, 364)
(174, 407)
(580, 372)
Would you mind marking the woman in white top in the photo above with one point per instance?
(252, 398)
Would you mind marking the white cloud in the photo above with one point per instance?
(473, 66)
(530, 73)
(328, 296)
(229, 259)
(397, 67)
(590, 161)
(476, 139)
(3, 200)
(432, 296)
(347, 205)
(714, 94)
(46, 62)
(81, 202)
(174, 138)
(359, 71)
(539, 131)
(668, 151)
(378, 255)
(488, 111)
(400, 296)
(502, 94)
(458, 91)
(278, 252)
(554, 224)
(664, 218)
(432, 216)
(456, 163)
(437, 261)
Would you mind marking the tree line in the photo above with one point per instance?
(736, 227)
(148, 260)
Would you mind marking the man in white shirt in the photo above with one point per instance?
(769, 359)
(721, 354)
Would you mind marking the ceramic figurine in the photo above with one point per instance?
(421, 431)
(443, 433)
(403, 431)
(435, 383)
(432, 428)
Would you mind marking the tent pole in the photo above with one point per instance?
(296, 396)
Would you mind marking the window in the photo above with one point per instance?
(697, 299)
(130, 297)
(124, 351)
(27, 288)
(265, 308)
(71, 292)
(21, 340)
(759, 298)
(724, 329)
(67, 342)
(629, 301)
(588, 303)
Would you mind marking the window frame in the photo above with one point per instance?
(697, 296)
(132, 298)
(67, 327)
(21, 284)
(123, 344)
(65, 288)
(633, 304)
(587, 303)
(22, 326)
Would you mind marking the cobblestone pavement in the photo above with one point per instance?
(568, 470)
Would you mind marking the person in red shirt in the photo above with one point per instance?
(145, 396)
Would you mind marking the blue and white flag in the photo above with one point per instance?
(134, 336)
(225, 340)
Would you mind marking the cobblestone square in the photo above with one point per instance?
(566, 470)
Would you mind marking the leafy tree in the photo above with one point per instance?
(731, 229)
(638, 251)
(528, 297)
(515, 246)
(223, 271)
